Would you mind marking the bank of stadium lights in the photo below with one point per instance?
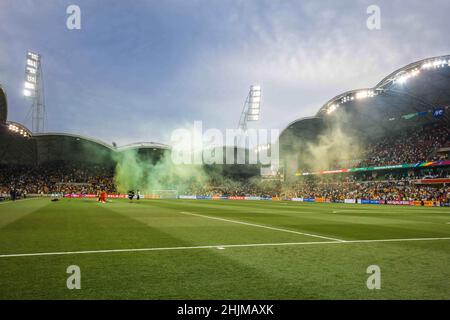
(407, 75)
(400, 78)
(31, 70)
(363, 94)
(332, 108)
(359, 95)
(254, 101)
(252, 107)
(434, 64)
(34, 90)
(18, 130)
(439, 63)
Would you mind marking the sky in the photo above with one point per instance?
(137, 70)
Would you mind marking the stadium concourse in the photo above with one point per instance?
(386, 144)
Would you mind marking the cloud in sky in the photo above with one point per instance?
(138, 70)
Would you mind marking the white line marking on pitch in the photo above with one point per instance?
(351, 210)
(18, 201)
(261, 226)
(216, 247)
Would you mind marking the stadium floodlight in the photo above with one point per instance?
(30, 70)
(402, 79)
(254, 100)
(29, 85)
(331, 108)
(31, 63)
(435, 64)
(252, 107)
(364, 94)
(34, 90)
(253, 112)
(361, 95)
(255, 90)
(252, 118)
(19, 130)
(347, 99)
(33, 56)
(27, 93)
(31, 78)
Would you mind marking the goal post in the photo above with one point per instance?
(166, 194)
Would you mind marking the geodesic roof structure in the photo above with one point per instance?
(405, 98)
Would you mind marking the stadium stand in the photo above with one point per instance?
(400, 129)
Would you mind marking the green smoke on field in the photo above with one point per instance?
(334, 148)
(192, 167)
(135, 171)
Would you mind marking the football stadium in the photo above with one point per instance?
(359, 207)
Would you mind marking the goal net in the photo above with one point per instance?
(166, 194)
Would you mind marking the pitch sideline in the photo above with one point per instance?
(261, 226)
(219, 246)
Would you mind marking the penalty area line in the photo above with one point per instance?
(262, 226)
(219, 247)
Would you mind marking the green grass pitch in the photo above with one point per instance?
(204, 249)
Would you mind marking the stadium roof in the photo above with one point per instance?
(306, 128)
(404, 98)
(54, 146)
(143, 145)
(71, 148)
(56, 135)
(3, 106)
(18, 129)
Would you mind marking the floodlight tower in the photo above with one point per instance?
(251, 109)
(34, 90)
(250, 112)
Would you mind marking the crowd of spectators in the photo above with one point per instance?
(373, 190)
(228, 187)
(385, 185)
(411, 146)
(56, 178)
(397, 185)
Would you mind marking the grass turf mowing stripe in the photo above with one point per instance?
(18, 201)
(219, 246)
(261, 226)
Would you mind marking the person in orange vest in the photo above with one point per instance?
(103, 197)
